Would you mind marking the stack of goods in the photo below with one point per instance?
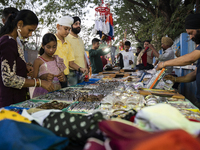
(54, 105)
(83, 107)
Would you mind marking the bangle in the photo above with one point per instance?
(163, 64)
(40, 82)
(35, 82)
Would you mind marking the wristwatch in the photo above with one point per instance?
(79, 69)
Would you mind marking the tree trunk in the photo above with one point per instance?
(164, 7)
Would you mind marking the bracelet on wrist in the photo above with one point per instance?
(38, 83)
(35, 82)
(163, 64)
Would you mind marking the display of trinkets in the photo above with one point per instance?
(29, 104)
(54, 105)
(183, 105)
(190, 114)
(83, 106)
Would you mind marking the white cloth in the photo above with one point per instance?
(126, 57)
(96, 26)
(168, 54)
(87, 60)
(165, 117)
(100, 23)
(65, 21)
(38, 116)
(107, 25)
(104, 29)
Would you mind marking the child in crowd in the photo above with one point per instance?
(48, 66)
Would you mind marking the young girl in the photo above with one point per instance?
(47, 66)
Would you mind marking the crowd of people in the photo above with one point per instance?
(62, 58)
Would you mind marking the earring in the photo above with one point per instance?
(19, 34)
(18, 30)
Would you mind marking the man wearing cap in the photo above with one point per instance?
(79, 51)
(192, 25)
(167, 53)
(64, 49)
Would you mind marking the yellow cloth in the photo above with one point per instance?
(65, 51)
(78, 48)
(167, 41)
(7, 114)
(150, 56)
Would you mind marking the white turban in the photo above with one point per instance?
(65, 21)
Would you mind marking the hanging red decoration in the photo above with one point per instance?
(102, 10)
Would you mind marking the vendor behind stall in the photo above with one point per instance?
(167, 53)
(145, 57)
(95, 59)
(192, 25)
(128, 56)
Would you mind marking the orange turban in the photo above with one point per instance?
(167, 41)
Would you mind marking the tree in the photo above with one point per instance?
(47, 12)
(152, 19)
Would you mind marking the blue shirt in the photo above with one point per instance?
(198, 77)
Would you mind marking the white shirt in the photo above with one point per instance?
(126, 57)
(168, 54)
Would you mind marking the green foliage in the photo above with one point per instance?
(143, 19)
(151, 19)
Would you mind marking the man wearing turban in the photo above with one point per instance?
(192, 25)
(79, 52)
(167, 53)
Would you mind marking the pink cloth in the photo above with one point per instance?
(54, 67)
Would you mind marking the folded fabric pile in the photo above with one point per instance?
(165, 117)
(17, 132)
(124, 136)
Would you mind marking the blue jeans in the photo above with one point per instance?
(74, 77)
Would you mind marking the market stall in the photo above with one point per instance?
(124, 104)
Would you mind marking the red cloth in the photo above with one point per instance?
(104, 61)
(111, 20)
(144, 57)
(127, 137)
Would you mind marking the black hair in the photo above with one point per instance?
(48, 37)
(147, 41)
(95, 40)
(8, 11)
(127, 43)
(27, 16)
(139, 47)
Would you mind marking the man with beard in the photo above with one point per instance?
(167, 53)
(64, 48)
(79, 52)
(192, 25)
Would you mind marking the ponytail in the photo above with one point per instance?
(9, 25)
(27, 16)
(41, 51)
